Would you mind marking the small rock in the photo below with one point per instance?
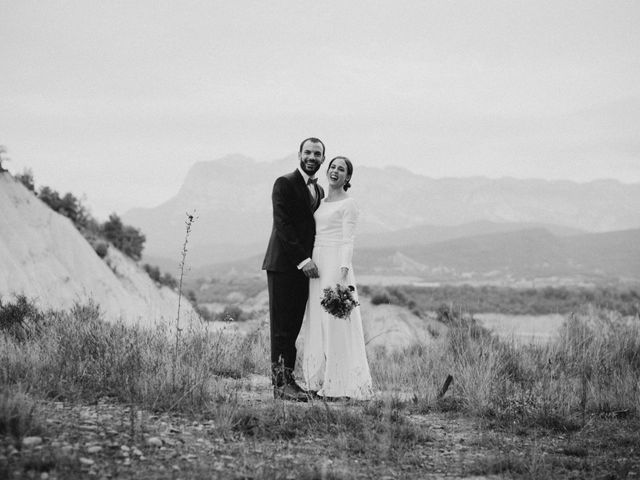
(86, 461)
(136, 452)
(154, 442)
(31, 441)
(94, 449)
(124, 448)
(171, 441)
(67, 449)
(44, 476)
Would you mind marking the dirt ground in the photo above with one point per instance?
(109, 440)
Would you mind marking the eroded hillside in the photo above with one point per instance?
(44, 257)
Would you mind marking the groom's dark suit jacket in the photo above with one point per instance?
(294, 228)
(290, 243)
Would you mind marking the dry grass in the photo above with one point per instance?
(593, 367)
(77, 356)
(591, 370)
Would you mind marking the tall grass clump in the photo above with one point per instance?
(19, 416)
(591, 368)
(599, 352)
(21, 318)
(79, 356)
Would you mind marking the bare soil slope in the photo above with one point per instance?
(44, 257)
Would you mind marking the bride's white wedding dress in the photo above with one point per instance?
(334, 361)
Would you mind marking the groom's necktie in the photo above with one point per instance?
(311, 186)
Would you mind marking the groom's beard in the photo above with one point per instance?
(315, 166)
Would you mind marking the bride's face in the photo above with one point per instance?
(337, 173)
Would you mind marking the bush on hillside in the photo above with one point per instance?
(101, 248)
(26, 178)
(125, 238)
(165, 279)
(68, 205)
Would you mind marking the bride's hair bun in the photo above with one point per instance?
(347, 162)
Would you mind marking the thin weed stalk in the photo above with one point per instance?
(188, 223)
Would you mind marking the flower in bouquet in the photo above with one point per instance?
(339, 301)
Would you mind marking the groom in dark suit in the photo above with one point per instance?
(288, 263)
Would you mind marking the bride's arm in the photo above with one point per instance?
(349, 221)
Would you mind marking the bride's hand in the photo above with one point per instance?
(344, 273)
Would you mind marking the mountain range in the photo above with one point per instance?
(532, 257)
(231, 200)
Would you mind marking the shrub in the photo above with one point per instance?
(379, 297)
(69, 205)
(165, 279)
(101, 249)
(26, 178)
(205, 313)
(153, 272)
(391, 295)
(18, 414)
(125, 238)
(232, 313)
(169, 280)
(20, 319)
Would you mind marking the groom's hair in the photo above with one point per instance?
(312, 140)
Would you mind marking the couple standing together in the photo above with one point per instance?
(311, 248)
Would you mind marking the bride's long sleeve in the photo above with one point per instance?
(349, 221)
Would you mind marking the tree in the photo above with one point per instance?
(50, 197)
(125, 238)
(69, 205)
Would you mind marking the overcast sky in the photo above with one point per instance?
(115, 100)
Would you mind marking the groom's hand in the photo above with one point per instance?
(310, 270)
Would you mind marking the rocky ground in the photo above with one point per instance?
(109, 440)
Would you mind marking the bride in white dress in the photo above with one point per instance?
(334, 362)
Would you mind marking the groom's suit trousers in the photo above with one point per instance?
(288, 293)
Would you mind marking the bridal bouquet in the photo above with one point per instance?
(339, 301)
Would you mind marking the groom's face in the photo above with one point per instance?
(311, 157)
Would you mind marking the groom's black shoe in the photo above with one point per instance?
(290, 391)
(285, 386)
